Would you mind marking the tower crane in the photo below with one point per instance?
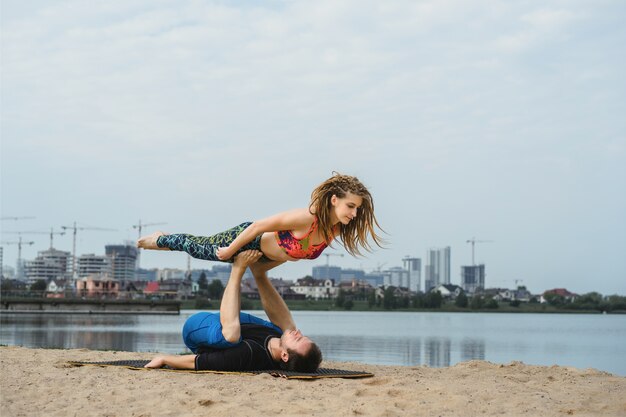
(139, 226)
(75, 229)
(37, 232)
(14, 243)
(328, 255)
(19, 244)
(473, 241)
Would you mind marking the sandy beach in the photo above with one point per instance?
(39, 382)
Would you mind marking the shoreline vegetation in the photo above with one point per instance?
(41, 382)
(363, 306)
(113, 306)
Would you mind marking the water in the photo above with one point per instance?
(389, 338)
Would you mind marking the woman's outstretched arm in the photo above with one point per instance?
(288, 220)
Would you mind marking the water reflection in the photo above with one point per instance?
(431, 351)
(435, 340)
(123, 332)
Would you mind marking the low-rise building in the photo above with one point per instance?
(567, 296)
(315, 288)
(97, 286)
(449, 291)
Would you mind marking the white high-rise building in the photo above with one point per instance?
(90, 264)
(396, 277)
(414, 267)
(437, 270)
(49, 264)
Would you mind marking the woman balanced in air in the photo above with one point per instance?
(341, 208)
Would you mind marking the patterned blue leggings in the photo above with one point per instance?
(206, 247)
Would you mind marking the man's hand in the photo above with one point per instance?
(246, 258)
(223, 254)
(158, 362)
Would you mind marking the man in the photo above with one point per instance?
(235, 341)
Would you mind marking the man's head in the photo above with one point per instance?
(299, 353)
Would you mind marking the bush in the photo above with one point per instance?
(491, 304)
(202, 304)
(461, 300)
(476, 303)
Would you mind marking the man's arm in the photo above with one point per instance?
(231, 302)
(273, 304)
(173, 361)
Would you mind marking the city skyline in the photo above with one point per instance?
(406, 278)
(499, 121)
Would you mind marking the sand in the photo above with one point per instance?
(38, 382)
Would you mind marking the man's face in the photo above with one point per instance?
(293, 340)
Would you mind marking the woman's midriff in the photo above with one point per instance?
(270, 248)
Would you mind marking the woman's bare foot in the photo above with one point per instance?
(150, 241)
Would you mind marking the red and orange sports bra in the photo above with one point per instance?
(300, 248)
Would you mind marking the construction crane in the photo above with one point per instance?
(19, 244)
(473, 241)
(379, 266)
(328, 255)
(139, 226)
(75, 229)
(37, 232)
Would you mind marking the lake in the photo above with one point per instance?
(388, 338)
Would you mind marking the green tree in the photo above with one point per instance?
(39, 285)
(433, 299)
(215, 289)
(461, 300)
(202, 303)
(418, 300)
(491, 304)
(341, 298)
(515, 303)
(476, 303)
(348, 304)
(7, 285)
(371, 299)
(202, 282)
(554, 299)
(389, 298)
(615, 303)
(589, 301)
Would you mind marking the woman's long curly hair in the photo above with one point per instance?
(354, 234)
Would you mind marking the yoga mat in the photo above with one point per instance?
(321, 372)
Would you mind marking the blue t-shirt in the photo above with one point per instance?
(205, 330)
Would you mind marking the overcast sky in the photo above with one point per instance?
(499, 120)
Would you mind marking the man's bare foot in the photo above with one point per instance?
(150, 241)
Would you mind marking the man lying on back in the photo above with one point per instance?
(234, 341)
